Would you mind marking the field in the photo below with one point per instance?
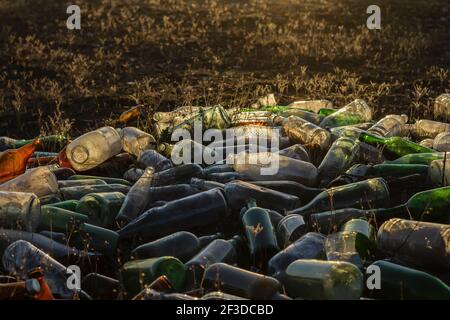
(165, 54)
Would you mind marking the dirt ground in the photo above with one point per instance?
(165, 54)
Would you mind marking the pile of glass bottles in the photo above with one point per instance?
(304, 201)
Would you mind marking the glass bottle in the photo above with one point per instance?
(137, 198)
(218, 250)
(420, 158)
(402, 283)
(151, 158)
(138, 273)
(19, 210)
(393, 147)
(21, 257)
(442, 107)
(304, 193)
(75, 183)
(439, 173)
(442, 142)
(270, 166)
(296, 151)
(328, 280)
(355, 243)
(355, 112)
(101, 208)
(428, 129)
(309, 246)
(238, 192)
(341, 155)
(108, 180)
(260, 234)
(389, 126)
(13, 162)
(182, 245)
(135, 141)
(419, 243)
(306, 133)
(290, 228)
(76, 193)
(364, 194)
(201, 209)
(93, 148)
(239, 282)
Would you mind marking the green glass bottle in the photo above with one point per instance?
(70, 205)
(59, 220)
(92, 238)
(364, 194)
(420, 158)
(355, 112)
(108, 180)
(260, 234)
(388, 170)
(402, 283)
(341, 155)
(135, 275)
(326, 280)
(101, 208)
(355, 243)
(326, 111)
(393, 147)
(53, 143)
(430, 205)
(422, 244)
(76, 193)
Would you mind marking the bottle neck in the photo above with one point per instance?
(384, 214)
(205, 240)
(235, 241)
(371, 138)
(251, 203)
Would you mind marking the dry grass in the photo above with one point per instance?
(170, 53)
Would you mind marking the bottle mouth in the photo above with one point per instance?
(80, 154)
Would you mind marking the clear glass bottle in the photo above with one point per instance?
(442, 107)
(439, 173)
(40, 181)
(93, 148)
(136, 141)
(341, 155)
(306, 133)
(389, 126)
(269, 166)
(19, 210)
(442, 142)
